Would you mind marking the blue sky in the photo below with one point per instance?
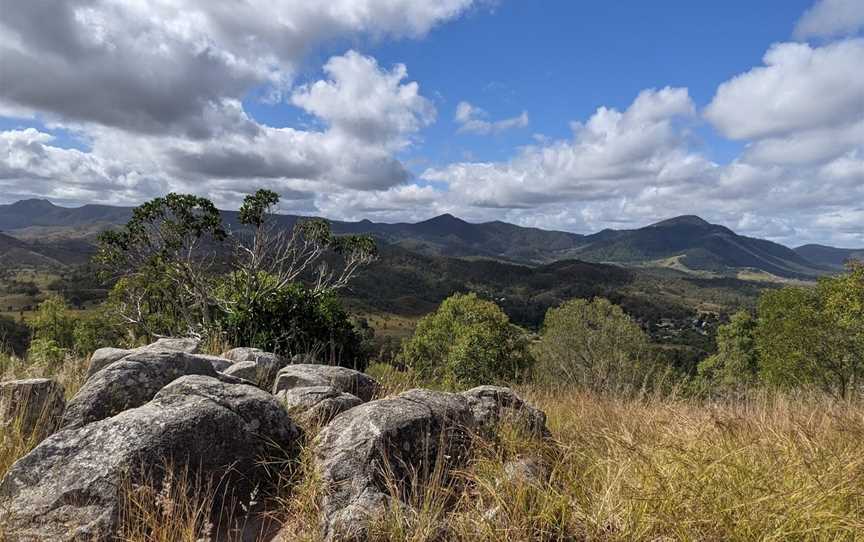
(571, 115)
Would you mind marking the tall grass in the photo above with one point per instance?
(761, 467)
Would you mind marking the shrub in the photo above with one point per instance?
(593, 345)
(735, 366)
(815, 336)
(466, 342)
(290, 319)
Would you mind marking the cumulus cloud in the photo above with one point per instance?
(799, 88)
(473, 120)
(364, 102)
(831, 18)
(158, 66)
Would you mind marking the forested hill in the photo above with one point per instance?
(686, 243)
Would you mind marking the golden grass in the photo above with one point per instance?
(767, 467)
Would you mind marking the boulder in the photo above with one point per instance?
(307, 375)
(219, 364)
(316, 405)
(254, 365)
(492, 404)
(104, 357)
(70, 487)
(31, 408)
(404, 436)
(129, 383)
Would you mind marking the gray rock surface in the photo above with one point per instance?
(69, 487)
(33, 406)
(307, 375)
(316, 405)
(254, 365)
(403, 436)
(129, 383)
(492, 404)
(104, 357)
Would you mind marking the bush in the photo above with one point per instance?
(467, 342)
(291, 319)
(815, 336)
(593, 345)
(735, 366)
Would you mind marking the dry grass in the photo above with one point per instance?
(767, 467)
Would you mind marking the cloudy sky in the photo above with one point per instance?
(551, 113)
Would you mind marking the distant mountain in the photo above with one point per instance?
(40, 212)
(829, 256)
(16, 252)
(685, 243)
(691, 243)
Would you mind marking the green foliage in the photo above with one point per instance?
(593, 345)
(815, 336)
(52, 322)
(468, 341)
(95, 330)
(736, 363)
(255, 207)
(288, 320)
(164, 253)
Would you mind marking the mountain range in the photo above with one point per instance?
(39, 231)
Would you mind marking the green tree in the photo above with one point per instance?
(736, 363)
(164, 253)
(290, 319)
(593, 345)
(815, 336)
(52, 329)
(468, 341)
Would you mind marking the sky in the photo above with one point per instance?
(565, 115)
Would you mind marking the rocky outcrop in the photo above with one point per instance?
(70, 487)
(307, 375)
(254, 365)
(369, 448)
(31, 408)
(129, 383)
(104, 357)
(490, 405)
(316, 405)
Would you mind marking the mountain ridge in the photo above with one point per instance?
(686, 242)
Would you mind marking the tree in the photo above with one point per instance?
(468, 341)
(815, 336)
(180, 273)
(736, 363)
(593, 345)
(165, 253)
(53, 330)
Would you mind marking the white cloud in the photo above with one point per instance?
(364, 102)
(831, 18)
(472, 120)
(156, 66)
(799, 88)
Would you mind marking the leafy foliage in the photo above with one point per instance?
(593, 345)
(736, 363)
(815, 336)
(291, 319)
(468, 341)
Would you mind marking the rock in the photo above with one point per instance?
(31, 408)
(219, 364)
(526, 471)
(254, 365)
(316, 405)
(492, 404)
(405, 436)
(104, 357)
(307, 375)
(70, 486)
(129, 383)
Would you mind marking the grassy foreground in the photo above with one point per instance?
(767, 467)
